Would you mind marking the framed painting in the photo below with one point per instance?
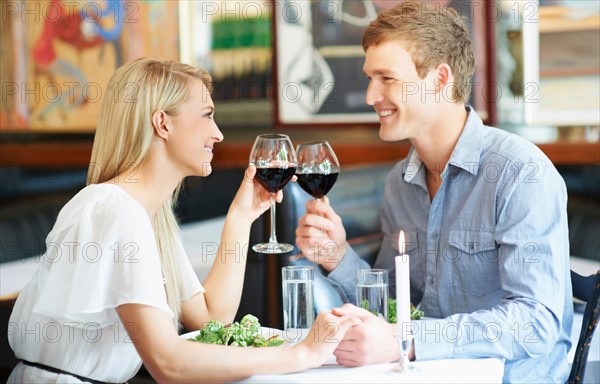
(319, 59)
(561, 63)
(232, 39)
(58, 55)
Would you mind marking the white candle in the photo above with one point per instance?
(402, 289)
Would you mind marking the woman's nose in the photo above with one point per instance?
(218, 136)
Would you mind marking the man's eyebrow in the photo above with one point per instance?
(381, 72)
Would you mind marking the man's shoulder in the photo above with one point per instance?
(522, 159)
(514, 148)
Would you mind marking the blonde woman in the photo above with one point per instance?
(115, 279)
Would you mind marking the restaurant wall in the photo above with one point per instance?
(42, 133)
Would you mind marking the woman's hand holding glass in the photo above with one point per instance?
(251, 199)
(275, 161)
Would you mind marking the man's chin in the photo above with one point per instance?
(389, 134)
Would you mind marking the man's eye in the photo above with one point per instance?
(388, 78)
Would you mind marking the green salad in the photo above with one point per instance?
(415, 314)
(246, 333)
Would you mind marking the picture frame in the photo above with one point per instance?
(57, 57)
(561, 64)
(324, 85)
(232, 40)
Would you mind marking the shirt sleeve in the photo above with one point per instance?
(107, 258)
(345, 273)
(533, 251)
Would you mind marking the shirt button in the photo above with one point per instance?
(430, 281)
(434, 235)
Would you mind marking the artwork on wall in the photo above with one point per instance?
(58, 55)
(232, 39)
(319, 58)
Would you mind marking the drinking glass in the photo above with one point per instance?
(298, 308)
(372, 291)
(318, 168)
(275, 161)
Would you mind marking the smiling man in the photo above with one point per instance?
(484, 212)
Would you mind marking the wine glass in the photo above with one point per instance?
(275, 161)
(318, 168)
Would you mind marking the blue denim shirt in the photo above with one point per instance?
(489, 255)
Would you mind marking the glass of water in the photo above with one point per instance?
(298, 308)
(372, 291)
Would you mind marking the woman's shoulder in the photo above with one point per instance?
(104, 197)
(103, 204)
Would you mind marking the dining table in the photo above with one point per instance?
(485, 370)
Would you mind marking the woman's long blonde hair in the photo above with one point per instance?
(124, 133)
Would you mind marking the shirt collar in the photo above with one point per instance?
(412, 166)
(467, 152)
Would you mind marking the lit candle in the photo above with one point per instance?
(402, 289)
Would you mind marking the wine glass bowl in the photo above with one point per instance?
(275, 161)
(274, 177)
(318, 168)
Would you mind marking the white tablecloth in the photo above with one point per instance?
(434, 371)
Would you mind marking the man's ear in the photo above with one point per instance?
(443, 76)
(159, 123)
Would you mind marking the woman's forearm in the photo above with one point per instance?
(225, 280)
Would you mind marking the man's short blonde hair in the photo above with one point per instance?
(434, 35)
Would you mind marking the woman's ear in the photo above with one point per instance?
(159, 122)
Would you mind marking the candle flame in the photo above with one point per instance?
(401, 245)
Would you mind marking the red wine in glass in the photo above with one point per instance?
(318, 168)
(316, 184)
(274, 179)
(275, 161)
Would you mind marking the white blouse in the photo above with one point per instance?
(101, 253)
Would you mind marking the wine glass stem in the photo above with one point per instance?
(323, 232)
(273, 238)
